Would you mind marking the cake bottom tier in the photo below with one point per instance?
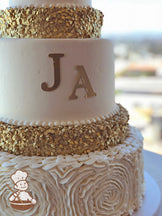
(107, 183)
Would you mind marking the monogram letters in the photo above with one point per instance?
(82, 80)
(56, 64)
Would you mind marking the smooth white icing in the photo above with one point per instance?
(57, 123)
(22, 3)
(100, 183)
(25, 65)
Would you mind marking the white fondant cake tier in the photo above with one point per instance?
(56, 79)
(106, 183)
(22, 3)
(115, 111)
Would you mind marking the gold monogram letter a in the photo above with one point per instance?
(82, 82)
(56, 64)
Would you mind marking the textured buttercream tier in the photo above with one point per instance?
(56, 79)
(22, 3)
(106, 183)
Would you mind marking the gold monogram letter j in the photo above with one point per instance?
(56, 64)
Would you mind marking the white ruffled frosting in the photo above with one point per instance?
(100, 183)
(22, 3)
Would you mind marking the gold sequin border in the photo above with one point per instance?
(51, 22)
(65, 140)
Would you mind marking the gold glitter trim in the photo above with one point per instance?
(65, 140)
(51, 22)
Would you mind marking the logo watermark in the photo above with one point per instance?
(21, 199)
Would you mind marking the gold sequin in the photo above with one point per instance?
(51, 22)
(65, 139)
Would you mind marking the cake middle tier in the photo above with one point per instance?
(48, 80)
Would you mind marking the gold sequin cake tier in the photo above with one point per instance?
(51, 22)
(65, 139)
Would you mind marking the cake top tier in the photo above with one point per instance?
(49, 19)
(21, 3)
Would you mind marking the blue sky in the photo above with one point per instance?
(126, 16)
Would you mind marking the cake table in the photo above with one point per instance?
(151, 202)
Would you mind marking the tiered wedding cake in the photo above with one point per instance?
(66, 147)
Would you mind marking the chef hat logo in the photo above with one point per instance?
(19, 176)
